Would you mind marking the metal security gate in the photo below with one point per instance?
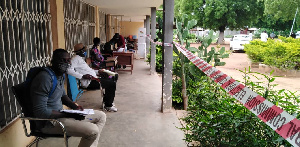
(25, 42)
(79, 23)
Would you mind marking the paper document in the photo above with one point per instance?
(84, 112)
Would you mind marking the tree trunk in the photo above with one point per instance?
(221, 35)
(184, 95)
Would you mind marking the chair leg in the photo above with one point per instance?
(36, 140)
(66, 140)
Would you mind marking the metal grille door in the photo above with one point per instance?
(25, 42)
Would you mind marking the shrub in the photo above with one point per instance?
(217, 119)
(283, 53)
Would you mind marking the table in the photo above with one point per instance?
(125, 58)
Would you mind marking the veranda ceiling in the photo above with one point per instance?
(132, 10)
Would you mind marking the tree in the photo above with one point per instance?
(182, 34)
(282, 9)
(269, 21)
(220, 14)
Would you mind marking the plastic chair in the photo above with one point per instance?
(27, 114)
(74, 91)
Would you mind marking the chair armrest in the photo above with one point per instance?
(23, 118)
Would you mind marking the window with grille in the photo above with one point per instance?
(25, 42)
(102, 25)
(79, 23)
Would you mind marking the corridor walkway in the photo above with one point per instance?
(139, 121)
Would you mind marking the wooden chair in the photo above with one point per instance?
(27, 115)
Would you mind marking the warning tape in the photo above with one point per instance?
(158, 43)
(280, 121)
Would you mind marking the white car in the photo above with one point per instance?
(237, 42)
(298, 34)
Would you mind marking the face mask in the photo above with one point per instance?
(63, 67)
(82, 54)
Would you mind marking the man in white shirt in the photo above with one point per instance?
(250, 36)
(88, 77)
(264, 36)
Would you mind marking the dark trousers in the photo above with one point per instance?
(110, 88)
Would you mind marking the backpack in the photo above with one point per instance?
(22, 90)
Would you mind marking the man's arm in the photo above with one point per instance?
(67, 101)
(71, 69)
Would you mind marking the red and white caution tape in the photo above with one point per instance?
(280, 121)
(157, 43)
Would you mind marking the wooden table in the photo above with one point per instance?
(125, 58)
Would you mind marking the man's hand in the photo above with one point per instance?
(79, 108)
(87, 76)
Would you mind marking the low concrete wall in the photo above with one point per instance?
(277, 72)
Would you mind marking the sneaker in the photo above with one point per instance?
(111, 109)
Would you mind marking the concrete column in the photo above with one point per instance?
(108, 25)
(97, 26)
(153, 36)
(57, 24)
(167, 55)
(147, 33)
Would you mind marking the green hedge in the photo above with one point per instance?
(282, 53)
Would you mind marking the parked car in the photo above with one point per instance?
(298, 34)
(237, 42)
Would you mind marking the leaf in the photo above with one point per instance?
(222, 50)
(192, 49)
(209, 42)
(220, 63)
(192, 69)
(272, 80)
(191, 24)
(185, 34)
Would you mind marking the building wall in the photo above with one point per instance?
(13, 135)
(131, 28)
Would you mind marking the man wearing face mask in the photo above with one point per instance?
(45, 106)
(88, 77)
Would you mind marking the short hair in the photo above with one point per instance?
(96, 41)
(117, 35)
(57, 55)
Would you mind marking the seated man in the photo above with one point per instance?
(49, 107)
(117, 39)
(88, 77)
